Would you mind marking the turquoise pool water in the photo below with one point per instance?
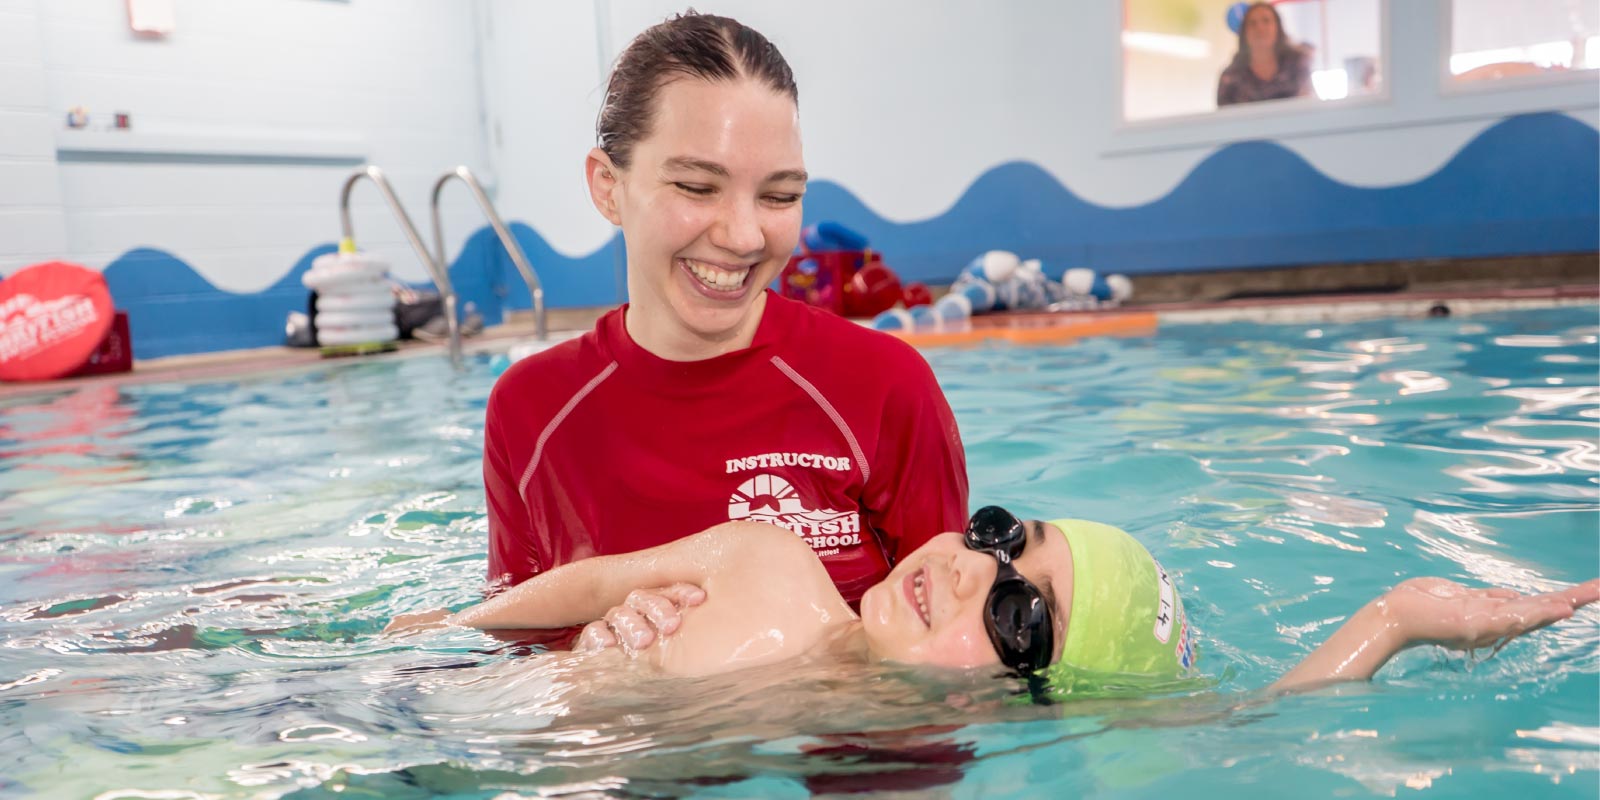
(193, 578)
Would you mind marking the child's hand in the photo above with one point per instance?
(412, 623)
(1438, 611)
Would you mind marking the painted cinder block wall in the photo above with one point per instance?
(940, 135)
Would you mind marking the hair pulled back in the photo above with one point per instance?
(703, 46)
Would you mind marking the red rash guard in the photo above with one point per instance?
(826, 428)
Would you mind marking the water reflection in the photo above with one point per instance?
(193, 579)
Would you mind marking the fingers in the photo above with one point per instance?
(1522, 616)
(632, 630)
(656, 609)
(1581, 595)
(645, 616)
(417, 622)
(596, 636)
(684, 595)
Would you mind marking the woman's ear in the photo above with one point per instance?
(604, 183)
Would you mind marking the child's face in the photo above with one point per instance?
(931, 609)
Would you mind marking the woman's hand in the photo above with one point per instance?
(412, 623)
(643, 619)
(1442, 612)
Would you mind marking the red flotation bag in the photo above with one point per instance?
(52, 317)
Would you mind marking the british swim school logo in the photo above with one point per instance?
(773, 500)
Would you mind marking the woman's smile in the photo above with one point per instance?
(717, 281)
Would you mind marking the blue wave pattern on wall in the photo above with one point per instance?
(1525, 185)
(485, 275)
(173, 310)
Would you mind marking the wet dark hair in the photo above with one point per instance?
(691, 44)
(1285, 50)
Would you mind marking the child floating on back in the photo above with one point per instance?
(1055, 601)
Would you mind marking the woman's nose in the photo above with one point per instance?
(739, 230)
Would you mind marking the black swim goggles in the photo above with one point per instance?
(1017, 615)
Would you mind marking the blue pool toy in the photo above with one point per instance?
(832, 236)
(1088, 289)
(895, 319)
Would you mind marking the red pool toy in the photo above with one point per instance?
(53, 316)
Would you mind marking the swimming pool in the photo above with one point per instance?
(193, 577)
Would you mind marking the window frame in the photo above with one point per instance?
(1267, 109)
(1449, 86)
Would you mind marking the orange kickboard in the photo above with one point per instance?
(1036, 328)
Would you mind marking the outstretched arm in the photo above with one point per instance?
(1430, 611)
(583, 591)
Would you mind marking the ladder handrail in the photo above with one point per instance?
(509, 242)
(440, 276)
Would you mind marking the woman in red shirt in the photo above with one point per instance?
(708, 398)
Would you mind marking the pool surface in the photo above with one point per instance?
(193, 578)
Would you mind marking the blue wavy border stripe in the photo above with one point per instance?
(172, 310)
(1525, 185)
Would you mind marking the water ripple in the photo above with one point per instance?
(195, 577)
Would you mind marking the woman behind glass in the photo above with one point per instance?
(1267, 66)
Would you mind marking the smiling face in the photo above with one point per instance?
(709, 207)
(1261, 30)
(931, 608)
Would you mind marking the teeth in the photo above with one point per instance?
(921, 594)
(720, 279)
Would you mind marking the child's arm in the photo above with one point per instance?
(1430, 611)
(584, 591)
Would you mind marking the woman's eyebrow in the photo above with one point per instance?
(688, 162)
(702, 165)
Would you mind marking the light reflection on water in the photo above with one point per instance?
(193, 577)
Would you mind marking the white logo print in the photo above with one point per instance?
(771, 499)
(807, 460)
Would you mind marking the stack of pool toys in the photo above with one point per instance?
(355, 305)
(1000, 281)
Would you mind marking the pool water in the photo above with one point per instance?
(193, 578)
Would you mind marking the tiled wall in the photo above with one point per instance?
(940, 134)
(32, 227)
(246, 119)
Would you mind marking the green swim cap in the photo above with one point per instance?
(1126, 617)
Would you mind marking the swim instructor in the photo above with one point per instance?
(707, 397)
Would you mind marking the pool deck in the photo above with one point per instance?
(1025, 328)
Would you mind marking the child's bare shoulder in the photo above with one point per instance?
(778, 603)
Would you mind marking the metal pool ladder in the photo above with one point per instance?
(440, 276)
(506, 240)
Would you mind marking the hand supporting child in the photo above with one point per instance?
(637, 623)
